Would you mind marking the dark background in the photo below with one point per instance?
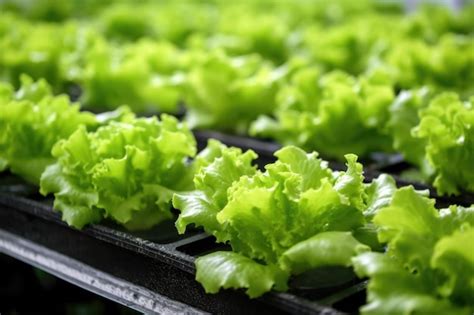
(28, 290)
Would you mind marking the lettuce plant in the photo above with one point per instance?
(447, 127)
(296, 216)
(429, 264)
(227, 93)
(32, 120)
(435, 134)
(333, 113)
(126, 171)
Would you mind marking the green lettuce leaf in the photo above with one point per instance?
(351, 47)
(216, 168)
(394, 290)
(232, 270)
(323, 249)
(455, 259)
(379, 194)
(228, 93)
(442, 65)
(429, 263)
(263, 33)
(350, 183)
(296, 194)
(403, 118)
(32, 120)
(297, 215)
(133, 74)
(24, 50)
(126, 171)
(335, 114)
(447, 127)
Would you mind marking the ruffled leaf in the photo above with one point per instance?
(447, 126)
(429, 262)
(31, 121)
(216, 168)
(394, 290)
(129, 167)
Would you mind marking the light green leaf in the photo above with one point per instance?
(126, 167)
(232, 270)
(379, 194)
(323, 249)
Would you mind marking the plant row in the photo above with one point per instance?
(367, 79)
(296, 216)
